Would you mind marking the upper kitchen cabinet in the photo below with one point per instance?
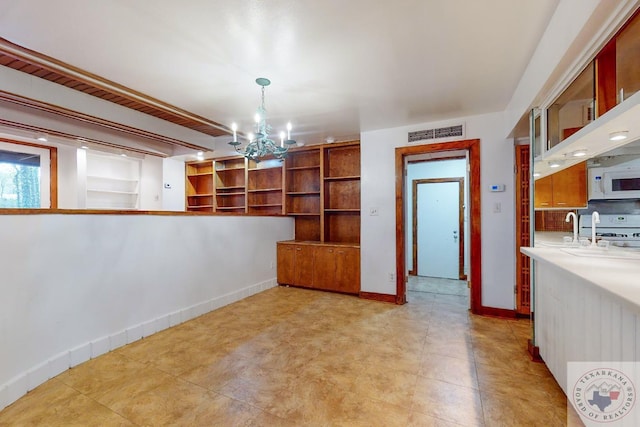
(601, 103)
(627, 57)
(572, 110)
(566, 189)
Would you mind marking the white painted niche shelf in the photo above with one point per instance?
(112, 181)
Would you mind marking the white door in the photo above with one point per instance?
(438, 229)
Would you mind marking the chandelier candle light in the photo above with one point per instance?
(259, 144)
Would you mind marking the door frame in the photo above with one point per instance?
(472, 146)
(460, 181)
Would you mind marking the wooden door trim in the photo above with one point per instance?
(473, 148)
(460, 181)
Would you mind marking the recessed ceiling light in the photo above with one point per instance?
(579, 153)
(555, 163)
(42, 137)
(618, 136)
(536, 174)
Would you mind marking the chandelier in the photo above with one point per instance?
(259, 144)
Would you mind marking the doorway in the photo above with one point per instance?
(438, 228)
(472, 150)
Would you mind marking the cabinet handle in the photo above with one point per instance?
(340, 252)
(298, 249)
(560, 203)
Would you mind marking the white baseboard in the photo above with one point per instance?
(26, 381)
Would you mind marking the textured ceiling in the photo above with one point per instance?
(337, 67)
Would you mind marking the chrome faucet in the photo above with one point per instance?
(595, 219)
(575, 225)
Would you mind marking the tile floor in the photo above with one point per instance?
(294, 357)
(438, 285)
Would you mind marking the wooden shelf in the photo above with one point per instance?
(303, 214)
(201, 195)
(230, 169)
(342, 178)
(229, 208)
(236, 187)
(342, 210)
(265, 190)
(303, 193)
(302, 168)
(230, 194)
(200, 206)
(266, 206)
(200, 174)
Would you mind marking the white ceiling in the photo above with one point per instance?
(337, 67)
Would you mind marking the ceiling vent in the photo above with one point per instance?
(443, 133)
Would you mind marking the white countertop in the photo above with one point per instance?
(616, 276)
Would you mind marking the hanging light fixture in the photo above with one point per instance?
(259, 144)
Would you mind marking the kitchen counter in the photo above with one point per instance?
(586, 305)
(616, 272)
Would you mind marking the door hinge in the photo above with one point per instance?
(469, 284)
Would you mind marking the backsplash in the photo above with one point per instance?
(628, 206)
(553, 221)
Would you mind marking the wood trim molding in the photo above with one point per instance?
(497, 312)
(534, 352)
(86, 118)
(378, 297)
(36, 129)
(475, 215)
(40, 65)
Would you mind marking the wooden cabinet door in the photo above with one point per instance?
(347, 270)
(286, 264)
(570, 187)
(543, 192)
(324, 273)
(303, 265)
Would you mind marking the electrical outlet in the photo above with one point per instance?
(392, 277)
(271, 265)
(373, 211)
(497, 207)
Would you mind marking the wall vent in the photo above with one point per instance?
(448, 132)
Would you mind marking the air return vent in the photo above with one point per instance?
(455, 132)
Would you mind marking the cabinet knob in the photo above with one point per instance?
(331, 250)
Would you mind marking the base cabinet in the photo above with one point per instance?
(325, 266)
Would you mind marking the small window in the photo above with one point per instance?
(25, 175)
(19, 180)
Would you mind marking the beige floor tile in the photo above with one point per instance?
(295, 357)
(452, 370)
(448, 402)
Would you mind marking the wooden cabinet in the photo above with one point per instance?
(199, 186)
(330, 267)
(566, 189)
(230, 185)
(295, 264)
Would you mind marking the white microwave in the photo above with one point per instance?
(614, 183)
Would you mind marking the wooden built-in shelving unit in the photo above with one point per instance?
(199, 186)
(230, 185)
(265, 180)
(319, 186)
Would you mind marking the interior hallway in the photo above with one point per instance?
(291, 357)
